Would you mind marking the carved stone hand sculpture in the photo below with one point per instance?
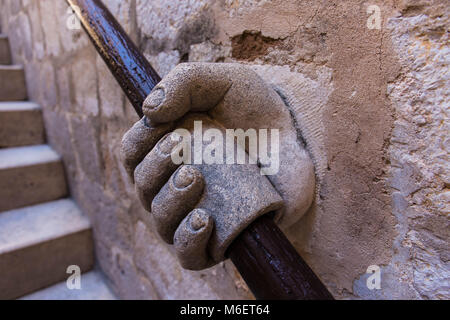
(202, 208)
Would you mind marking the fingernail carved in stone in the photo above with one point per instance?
(183, 178)
(155, 99)
(199, 219)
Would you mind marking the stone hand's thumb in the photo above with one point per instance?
(188, 87)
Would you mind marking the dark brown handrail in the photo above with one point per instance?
(131, 69)
(266, 259)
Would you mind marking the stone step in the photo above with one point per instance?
(12, 83)
(21, 124)
(5, 53)
(30, 175)
(93, 287)
(38, 243)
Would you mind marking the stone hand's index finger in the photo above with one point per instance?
(138, 141)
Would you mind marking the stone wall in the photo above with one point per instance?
(384, 97)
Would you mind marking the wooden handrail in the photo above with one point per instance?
(266, 259)
(131, 69)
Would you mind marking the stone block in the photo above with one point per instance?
(20, 124)
(12, 83)
(30, 175)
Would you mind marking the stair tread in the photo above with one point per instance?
(93, 287)
(11, 67)
(11, 106)
(27, 156)
(27, 226)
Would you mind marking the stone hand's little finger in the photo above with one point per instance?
(191, 240)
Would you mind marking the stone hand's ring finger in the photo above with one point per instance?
(176, 199)
(156, 168)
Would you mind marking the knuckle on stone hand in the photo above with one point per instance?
(140, 178)
(166, 145)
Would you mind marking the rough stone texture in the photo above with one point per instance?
(420, 146)
(383, 96)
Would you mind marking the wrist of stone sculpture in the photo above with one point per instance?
(202, 207)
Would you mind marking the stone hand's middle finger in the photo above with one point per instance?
(156, 168)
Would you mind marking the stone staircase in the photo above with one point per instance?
(42, 232)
